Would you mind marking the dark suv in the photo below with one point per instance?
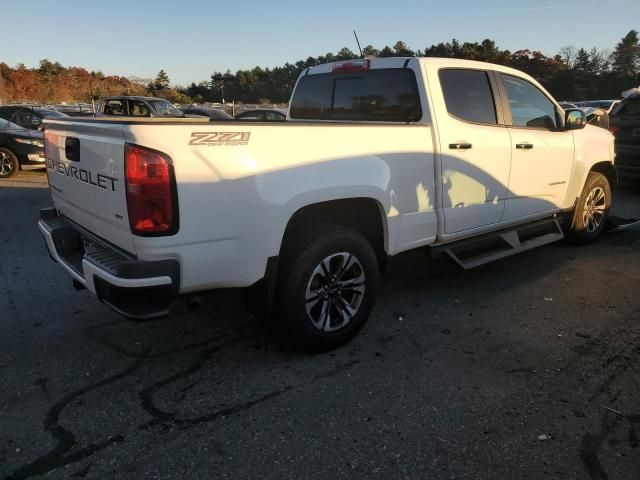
(21, 138)
(27, 116)
(19, 146)
(625, 125)
(136, 107)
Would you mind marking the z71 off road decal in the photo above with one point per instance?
(215, 139)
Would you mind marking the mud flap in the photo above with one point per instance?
(618, 224)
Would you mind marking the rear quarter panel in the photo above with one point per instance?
(240, 183)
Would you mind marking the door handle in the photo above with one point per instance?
(460, 146)
(526, 146)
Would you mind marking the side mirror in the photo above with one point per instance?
(574, 119)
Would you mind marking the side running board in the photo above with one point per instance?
(473, 252)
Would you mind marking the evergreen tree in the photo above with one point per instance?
(626, 56)
(162, 81)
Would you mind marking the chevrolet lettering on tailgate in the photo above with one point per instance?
(97, 180)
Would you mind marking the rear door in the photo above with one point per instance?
(475, 149)
(542, 155)
(85, 167)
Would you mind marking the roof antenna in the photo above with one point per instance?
(358, 42)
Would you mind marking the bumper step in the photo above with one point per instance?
(134, 288)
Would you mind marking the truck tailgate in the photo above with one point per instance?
(85, 167)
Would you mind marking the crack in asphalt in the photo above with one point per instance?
(146, 394)
(61, 454)
(56, 458)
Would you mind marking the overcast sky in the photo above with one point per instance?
(191, 39)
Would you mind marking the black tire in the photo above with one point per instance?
(592, 209)
(301, 273)
(9, 165)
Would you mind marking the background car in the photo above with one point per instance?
(124, 106)
(212, 113)
(263, 115)
(567, 105)
(27, 116)
(606, 105)
(597, 117)
(19, 146)
(625, 125)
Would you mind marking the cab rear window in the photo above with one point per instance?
(383, 95)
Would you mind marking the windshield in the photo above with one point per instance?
(164, 108)
(7, 125)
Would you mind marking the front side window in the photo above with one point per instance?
(467, 94)
(529, 106)
(138, 109)
(383, 95)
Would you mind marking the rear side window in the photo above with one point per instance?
(384, 95)
(114, 107)
(467, 94)
(529, 106)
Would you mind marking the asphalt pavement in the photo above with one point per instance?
(527, 368)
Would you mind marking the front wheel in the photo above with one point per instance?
(327, 287)
(592, 210)
(9, 165)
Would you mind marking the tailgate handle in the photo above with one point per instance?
(72, 149)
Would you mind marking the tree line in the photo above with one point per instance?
(572, 74)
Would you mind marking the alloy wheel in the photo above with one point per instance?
(335, 291)
(6, 165)
(594, 209)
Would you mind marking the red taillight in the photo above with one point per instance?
(150, 192)
(50, 144)
(352, 66)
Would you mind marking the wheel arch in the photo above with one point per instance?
(366, 215)
(609, 171)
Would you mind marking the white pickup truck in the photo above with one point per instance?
(377, 156)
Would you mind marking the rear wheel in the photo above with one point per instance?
(592, 210)
(327, 287)
(9, 165)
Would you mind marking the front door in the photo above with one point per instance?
(475, 150)
(542, 155)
